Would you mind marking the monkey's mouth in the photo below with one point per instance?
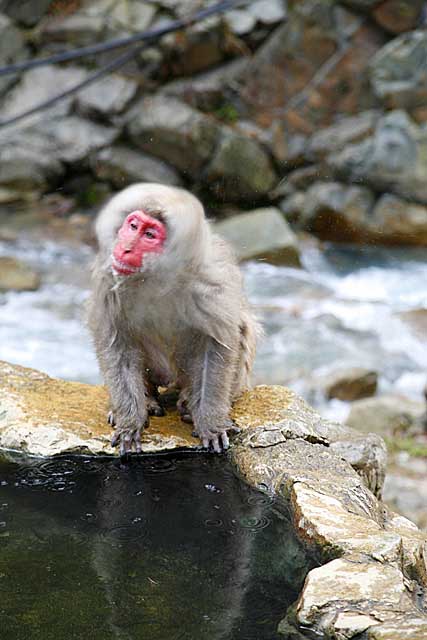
(122, 269)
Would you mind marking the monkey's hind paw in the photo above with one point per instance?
(127, 440)
(154, 408)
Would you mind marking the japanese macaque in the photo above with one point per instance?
(167, 309)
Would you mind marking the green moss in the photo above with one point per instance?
(227, 113)
(410, 445)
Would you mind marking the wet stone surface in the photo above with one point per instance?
(167, 547)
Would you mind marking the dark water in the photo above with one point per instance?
(170, 547)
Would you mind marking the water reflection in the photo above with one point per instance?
(92, 548)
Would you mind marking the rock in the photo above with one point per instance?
(349, 597)
(350, 384)
(407, 495)
(334, 211)
(292, 206)
(280, 79)
(168, 128)
(398, 221)
(345, 131)
(198, 48)
(240, 169)
(398, 75)
(44, 416)
(17, 276)
(12, 48)
(240, 21)
(268, 11)
(361, 5)
(28, 160)
(387, 415)
(130, 16)
(284, 438)
(416, 319)
(28, 12)
(109, 96)
(207, 90)
(369, 551)
(261, 234)
(375, 560)
(121, 166)
(40, 84)
(397, 16)
(394, 159)
(301, 179)
(288, 150)
(76, 30)
(75, 138)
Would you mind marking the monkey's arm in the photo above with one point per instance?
(213, 370)
(122, 366)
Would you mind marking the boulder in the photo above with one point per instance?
(108, 96)
(346, 131)
(207, 90)
(361, 5)
(406, 493)
(75, 30)
(373, 559)
(397, 16)
(28, 160)
(122, 165)
(12, 48)
(17, 276)
(387, 415)
(350, 384)
(268, 11)
(398, 221)
(44, 416)
(398, 75)
(75, 137)
(240, 169)
(292, 206)
(261, 234)
(324, 472)
(40, 84)
(313, 67)
(171, 130)
(334, 211)
(394, 159)
(28, 12)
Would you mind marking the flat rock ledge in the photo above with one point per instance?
(373, 572)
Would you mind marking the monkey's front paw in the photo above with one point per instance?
(127, 440)
(215, 435)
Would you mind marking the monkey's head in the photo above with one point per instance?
(151, 227)
(139, 235)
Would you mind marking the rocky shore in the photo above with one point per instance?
(318, 108)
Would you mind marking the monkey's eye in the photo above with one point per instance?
(133, 225)
(150, 233)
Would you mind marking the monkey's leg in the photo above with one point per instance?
(210, 399)
(122, 367)
(152, 397)
(182, 406)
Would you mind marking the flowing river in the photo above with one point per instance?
(349, 306)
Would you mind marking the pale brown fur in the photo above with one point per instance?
(183, 319)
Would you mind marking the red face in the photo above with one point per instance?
(138, 235)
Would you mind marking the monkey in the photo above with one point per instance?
(167, 308)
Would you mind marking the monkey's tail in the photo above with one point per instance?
(250, 332)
